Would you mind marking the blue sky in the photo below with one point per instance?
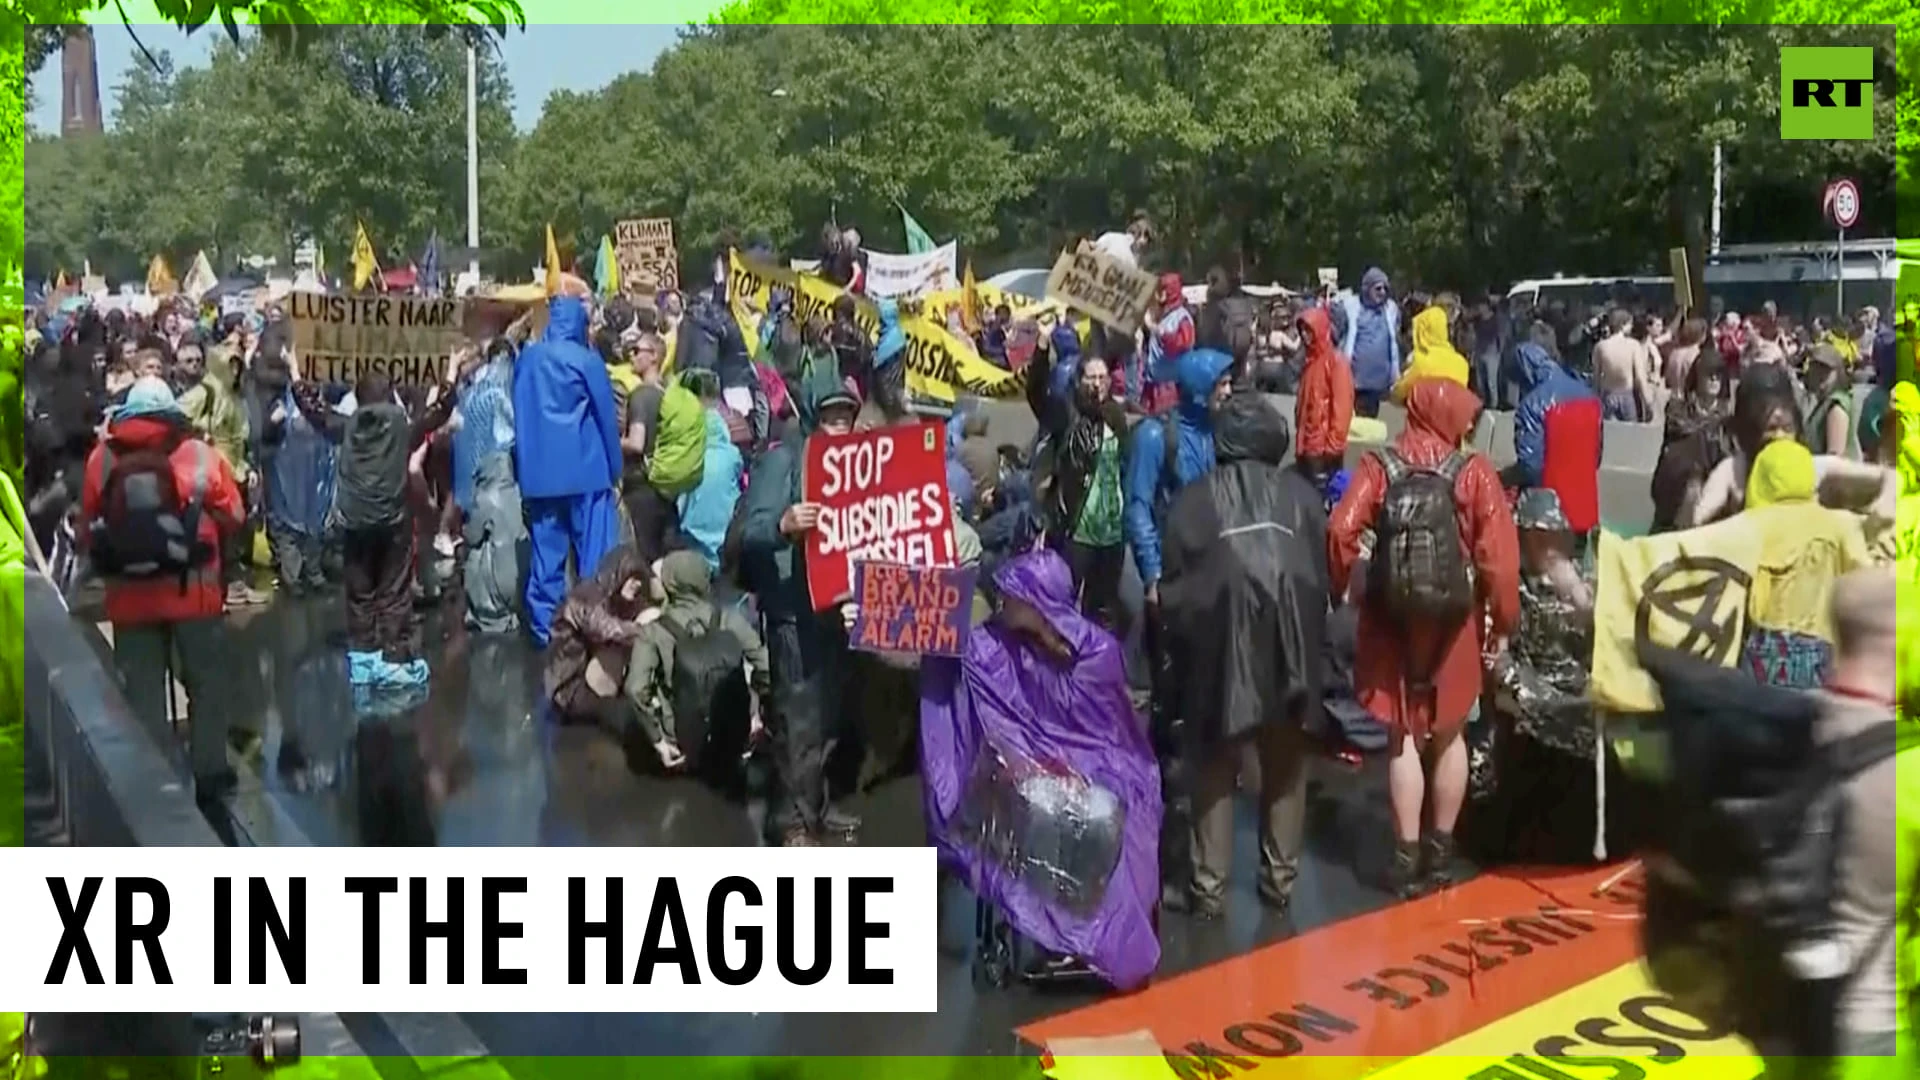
(539, 60)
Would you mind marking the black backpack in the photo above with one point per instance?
(709, 685)
(147, 527)
(1741, 883)
(1420, 568)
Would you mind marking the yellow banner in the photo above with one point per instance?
(1685, 590)
(1613, 1022)
(939, 366)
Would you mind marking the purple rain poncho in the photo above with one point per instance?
(1041, 787)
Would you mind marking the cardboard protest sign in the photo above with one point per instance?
(1101, 286)
(340, 338)
(883, 498)
(644, 249)
(911, 609)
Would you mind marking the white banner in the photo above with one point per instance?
(330, 929)
(903, 276)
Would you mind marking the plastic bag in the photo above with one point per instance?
(1056, 832)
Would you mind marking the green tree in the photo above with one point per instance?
(259, 148)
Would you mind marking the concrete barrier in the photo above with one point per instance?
(1628, 454)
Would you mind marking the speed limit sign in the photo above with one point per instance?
(1842, 203)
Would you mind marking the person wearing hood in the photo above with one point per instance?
(1323, 406)
(688, 617)
(706, 511)
(1163, 457)
(807, 651)
(1167, 455)
(566, 451)
(1244, 598)
(173, 613)
(1557, 436)
(305, 435)
(1085, 502)
(1033, 728)
(1806, 549)
(1173, 336)
(1371, 339)
(593, 633)
(886, 384)
(1434, 356)
(374, 521)
(1423, 681)
(211, 408)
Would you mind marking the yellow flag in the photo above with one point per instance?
(365, 266)
(60, 282)
(160, 280)
(1682, 590)
(553, 263)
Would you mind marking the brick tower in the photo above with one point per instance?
(79, 84)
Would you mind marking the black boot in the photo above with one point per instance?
(1437, 852)
(1406, 880)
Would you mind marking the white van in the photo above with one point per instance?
(1802, 279)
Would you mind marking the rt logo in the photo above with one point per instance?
(1826, 93)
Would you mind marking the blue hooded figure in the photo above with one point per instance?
(1371, 334)
(1155, 471)
(566, 452)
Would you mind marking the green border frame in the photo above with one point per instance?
(1904, 15)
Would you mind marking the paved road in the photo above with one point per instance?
(479, 765)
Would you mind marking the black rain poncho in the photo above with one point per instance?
(1244, 589)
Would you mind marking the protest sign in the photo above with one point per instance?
(900, 276)
(883, 498)
(1102, 286)
(911, 609)
(341, 338)
(644, 249)
(940, 366)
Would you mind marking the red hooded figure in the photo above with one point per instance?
(1440, 413)
(1323, 407)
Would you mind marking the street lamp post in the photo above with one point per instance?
(473, 166)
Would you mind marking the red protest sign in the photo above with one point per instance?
(883, 498)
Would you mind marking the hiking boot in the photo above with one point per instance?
(1406, 881)
(241, 594)
(1275, 900)
(1437, 853)
(1206, 908)
(838, 820)
(798, 836)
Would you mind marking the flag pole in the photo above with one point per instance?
(473, 165)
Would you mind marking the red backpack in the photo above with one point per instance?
(147, 527)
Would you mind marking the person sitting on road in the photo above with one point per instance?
(587, 656)
(689, 669)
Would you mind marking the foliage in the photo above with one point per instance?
(1457, 155)
(259, 149)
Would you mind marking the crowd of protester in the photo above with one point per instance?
(625, 490)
